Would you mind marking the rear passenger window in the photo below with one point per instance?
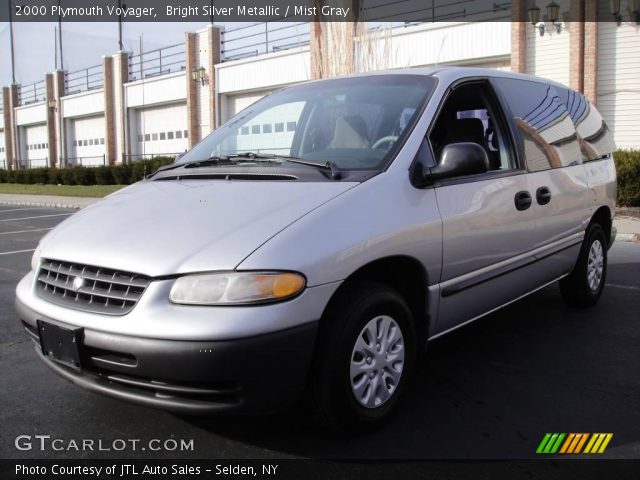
(593, 135)
(544, 124)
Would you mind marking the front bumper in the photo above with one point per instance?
(251, 374)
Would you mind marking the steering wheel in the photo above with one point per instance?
(383, 140)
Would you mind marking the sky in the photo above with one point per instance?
(84, 44)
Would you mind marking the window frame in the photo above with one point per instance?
(504, 122)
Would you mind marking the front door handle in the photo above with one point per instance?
(522, 200)
(543, 195)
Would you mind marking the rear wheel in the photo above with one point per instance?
(583, 287)
(365, 353)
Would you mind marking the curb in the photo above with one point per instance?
(628, 237)
(42, 204)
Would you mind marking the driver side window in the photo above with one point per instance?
(470, 115)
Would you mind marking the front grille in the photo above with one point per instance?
(104, 291)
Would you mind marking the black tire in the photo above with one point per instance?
(329, 393)
(576, 288)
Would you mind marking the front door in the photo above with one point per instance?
(487, 218)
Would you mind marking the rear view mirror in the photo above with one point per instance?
(458, 159)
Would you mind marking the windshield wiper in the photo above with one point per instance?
(235, 158)
(335, 171)
(216, 160)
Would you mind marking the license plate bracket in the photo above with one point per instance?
(61, 344)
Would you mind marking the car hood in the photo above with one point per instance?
(172, 227)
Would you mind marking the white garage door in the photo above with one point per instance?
(34, 146)
(3, 153)
(87, 142)
(160, 130)
(237, 103)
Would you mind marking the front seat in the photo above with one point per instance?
(465, 130)
(350, 132)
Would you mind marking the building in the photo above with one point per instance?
(164, 101)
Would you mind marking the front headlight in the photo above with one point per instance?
(35, 259)
(236, 288)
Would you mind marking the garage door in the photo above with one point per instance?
(34, 146)
(237, 103)
(3, 153)
(87, 142)
(160, 130)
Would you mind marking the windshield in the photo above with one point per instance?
(352, 123)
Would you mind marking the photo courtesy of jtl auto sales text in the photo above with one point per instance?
(320, 239)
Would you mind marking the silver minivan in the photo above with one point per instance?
(312, 245)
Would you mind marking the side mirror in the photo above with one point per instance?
(458, 159)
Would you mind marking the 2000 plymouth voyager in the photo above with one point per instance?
(316, 241)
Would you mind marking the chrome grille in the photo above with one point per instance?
(104, 291)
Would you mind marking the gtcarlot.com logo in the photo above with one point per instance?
(554, 443)
(47, 443)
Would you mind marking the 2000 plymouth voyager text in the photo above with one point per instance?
(312, 245)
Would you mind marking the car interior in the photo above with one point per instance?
(468, 116)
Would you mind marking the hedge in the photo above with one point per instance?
(105, 175)
(627, 166)
(628, 171)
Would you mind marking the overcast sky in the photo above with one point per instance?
(84, 44)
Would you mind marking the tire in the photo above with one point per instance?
(584, 285)
(341, 375)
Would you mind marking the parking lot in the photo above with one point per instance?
(491, 390)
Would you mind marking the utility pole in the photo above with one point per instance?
(13, 66)
(120, 47)
(55, 46)
(60, 38)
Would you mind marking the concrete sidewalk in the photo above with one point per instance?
(54, 201)
(628, 225)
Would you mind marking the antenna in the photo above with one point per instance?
(440, 49)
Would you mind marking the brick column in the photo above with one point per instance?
(576, 44)
(120, 77)
(192, 89)
(52, 151)
(214, 58)
(10, 102)
(59, 92)
(316, 45)
(109, 110)
(590, 85)
(519, 36)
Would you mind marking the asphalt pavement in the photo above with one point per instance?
(488, 391)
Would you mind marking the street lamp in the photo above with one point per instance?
(199, 74)
(553, 12)
(614, 6)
